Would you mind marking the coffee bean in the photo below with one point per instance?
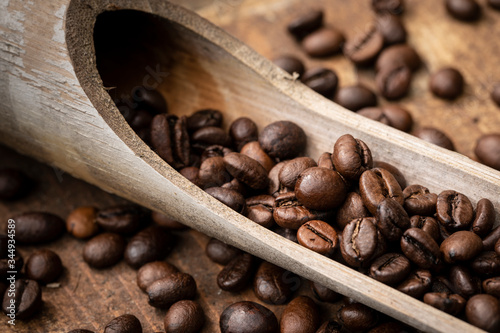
(356, 97)
(464, 283)
(486, 264)
(306, 23)
(357, 317)
(392, 115)
(204, 118)
(447, 83)
(81, 331)
(246, 170)
(416, 284)
(300, 315)
(323, 42)
(126, 323)
(396, 55)
(390, 268)
(492, 286)
(490, 240)
(324, 81)
(392, 169)
(282, 140)
(149, 99)
(330, 326)
(14, 184)
(104, 250)
(454, 210)
(427, 224)
(391, 27)
(228, 197)
(376, 185)
(219, 252)
(260, 210)
(461, 246)
(420, 248)
(275, 187)
(123, 219)
(150, 244)
(290, 234)
(38, 227)
(153, 271)
(142, 119)
(289, 213)
(497, 247)
(325, 161)
(6, 264)
(449, 303)
(213, 172)
(324, 294)
(351, 157)
(27, 299)
(435, 136)
(175, 287)
(393, 82)
(293, 168)
(495, 92)
(463, 10)
(419, 200)
(482, 311)
(273, 284)
(242, 131)
(81, 222)
(169, 138)
(487, 150)
(395, 7)
(255, 151)
(320, 188)
(248, 317)
(211, 135)
(391, 327)
(167, 222)
(363, 48)
(392, 219)
(237, 273)
(359, 241)
(485, 217)
(290, 64)
(44, 265)
(318, 236)
(184, 317)
(214, 151)
(352, 208)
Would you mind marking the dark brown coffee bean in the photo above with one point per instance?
(393, 82)
(416, 284)
(213, 172)
(260, 210)
(363, 48)
(464, 283)
(14, 184)
(301, 315)
(323, 42)
(215, 151)
(290, 234)
(167, 222)
(396, 55)
(290, 64)
(242, 131)
(282, 140)
(427, 224)
(454, 210)
(81, 331)
(463, 10)
(351, 157)
(482, 311)
(184, 317)
(324, 294)
(390, 268)
(104, 250)
(273, 284)
(228, 197)
(255, 151)
(461, 246)
(142, 119)
(275, 188)
(392, 115)
(490, 240)
(81, 222)
(447, 83)
(392, 169)
(420, 248)
(150, 99)
(38, 227)
(486, 264)
(449, 303)
(164, 292)
(150, 244)
(306, 23)
(211, 135)
(330, 326)
(357, 317)
(6, 265)
(248, 317)
(126, 323)
(25, 301)
(44, 265)
(293, 168)
(324, 81)
(391, 327)
(419, 200)
(219, 252)
(395, 7)
(325, 161)
(153, 271)
(391, 27)
(441, 284)
(318, 236)
(170, 140)
(246, 170)
(487, 150)
(376, 185)
(497, 247)
(204, 118)
(392, 219)
(352, 208)
(124, 219)
(495, 92)
(435, 136)
(485, 217)
(289, 213)
(359, 241)
(356, 97)
(320, 188)
(492, 286)
(237, 273)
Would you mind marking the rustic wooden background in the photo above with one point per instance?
(88, 298)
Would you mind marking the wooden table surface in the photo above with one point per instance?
(89, 298)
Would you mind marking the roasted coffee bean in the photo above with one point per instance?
(461, 246)
(463, 10)
(167, 222)
(104, 250)
(290, 234)
(320, 188)
(204, 118)
(211, 135)
(213, 172)
(392, 219)
(396, 55)
(153, 271)
(454, 210)
(420, 248)
(289, 213)
(293, 168)
(175, 287)
(246, 170)
(390, 268)
(275, 187)
(248, 317)
(449, 303)
(351, 157)
(255, 151)
(323, 42)
(318, 236)
(392, 169)
(391, 27)
(356, 97)
(392, 115)
(215, 151)
(142, 119)
(357, 317)
(427, 224)
(324, 81)
(282, 140)
(359, 241)
(325, 161)
(495, 92)
(237, 273)
(81, 331)
(6, 266)
(39, 227)
(497, 247)
(273, 284)
(391, 327)
(492, 286)
(324, 294)
(487, 150)
(124, 219)
(435, 136)
(14, 184)
(441, 284)
(150, 244)
(376, 185)
(416, 284)
(330, 326)
(126, 323)
(486, 264)
(301, 315)
(363, 48)
(25, 301)
(395, 7)
(352, 208)
(290, 64)
(150, 99)
(44, 265)
(485, 217)
(490, 240)
(482, 311)
(170, 139)
(81, 222)
(260, 210)
(447, 82)
(228, 197)
(184, 317)
(464, 283)
(242, 131)
(219, 252)
(419, 200)
(393, 82)
(306, 23)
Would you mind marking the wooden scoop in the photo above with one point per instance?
(55, 107)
